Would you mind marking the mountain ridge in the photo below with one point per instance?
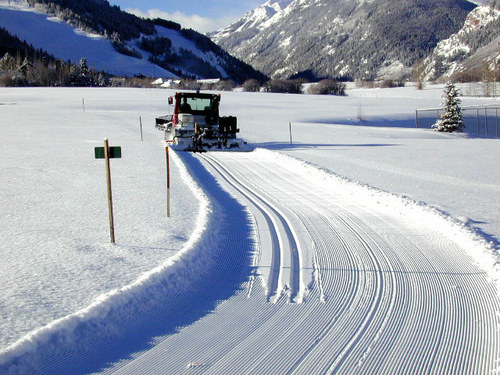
(362, 39)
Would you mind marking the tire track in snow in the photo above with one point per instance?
(284, 241)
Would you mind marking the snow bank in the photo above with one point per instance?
(102, 316)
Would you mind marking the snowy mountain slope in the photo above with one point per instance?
(472, 48)
(163, 51)
(402, 266)
(65, 42)
(341, 38)
(252, 23)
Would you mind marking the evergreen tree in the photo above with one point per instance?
(451, 119)
(74, 75)
(85, 72)
(24, 67)
(8, 62)
(80, 74)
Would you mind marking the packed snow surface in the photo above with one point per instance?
(347, 242)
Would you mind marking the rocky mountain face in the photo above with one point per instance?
(473, 52)
(358, 39)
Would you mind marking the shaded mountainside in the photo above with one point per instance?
(20, 49)
(361, 39)
(182, 52)
(97, 16)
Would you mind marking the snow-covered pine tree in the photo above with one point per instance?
(7, 62)
(85, 76)
(80, 74)
(451, 119)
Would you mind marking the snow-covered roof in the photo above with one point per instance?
(208, 81)
(158, 81)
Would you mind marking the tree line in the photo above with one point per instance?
(295, 86)
(18, 72)
(23, 65)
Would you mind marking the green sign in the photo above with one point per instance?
(114, 152)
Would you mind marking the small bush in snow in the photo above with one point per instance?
(390, 83)
(284, 86)
(222, 85)
(328, 87)
(251, 85)
(451, 119)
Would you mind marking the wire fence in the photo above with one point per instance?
(479, 120)
(481, 89)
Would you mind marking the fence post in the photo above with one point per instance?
(486, 120)
(416, 118)
(477, 120)
(496, 120)
(140, 126)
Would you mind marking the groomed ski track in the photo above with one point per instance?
(291, 270)
(344, 280)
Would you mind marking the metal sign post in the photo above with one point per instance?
(107, 153)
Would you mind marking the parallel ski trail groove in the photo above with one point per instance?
(392, 301)
(376, 300)
(270, 212)
(386, 271)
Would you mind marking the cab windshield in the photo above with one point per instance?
(193, 105)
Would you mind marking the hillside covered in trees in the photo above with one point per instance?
(183, 52)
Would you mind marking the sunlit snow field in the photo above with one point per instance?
(55, 255)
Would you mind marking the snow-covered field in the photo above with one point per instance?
(383, 240)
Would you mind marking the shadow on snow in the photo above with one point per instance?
(317, 146)
(374, 121)
(227, 239)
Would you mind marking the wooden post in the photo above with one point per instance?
(83, 104)
(290, 129)
(140, 124)
(168, 180)
(110, 196)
